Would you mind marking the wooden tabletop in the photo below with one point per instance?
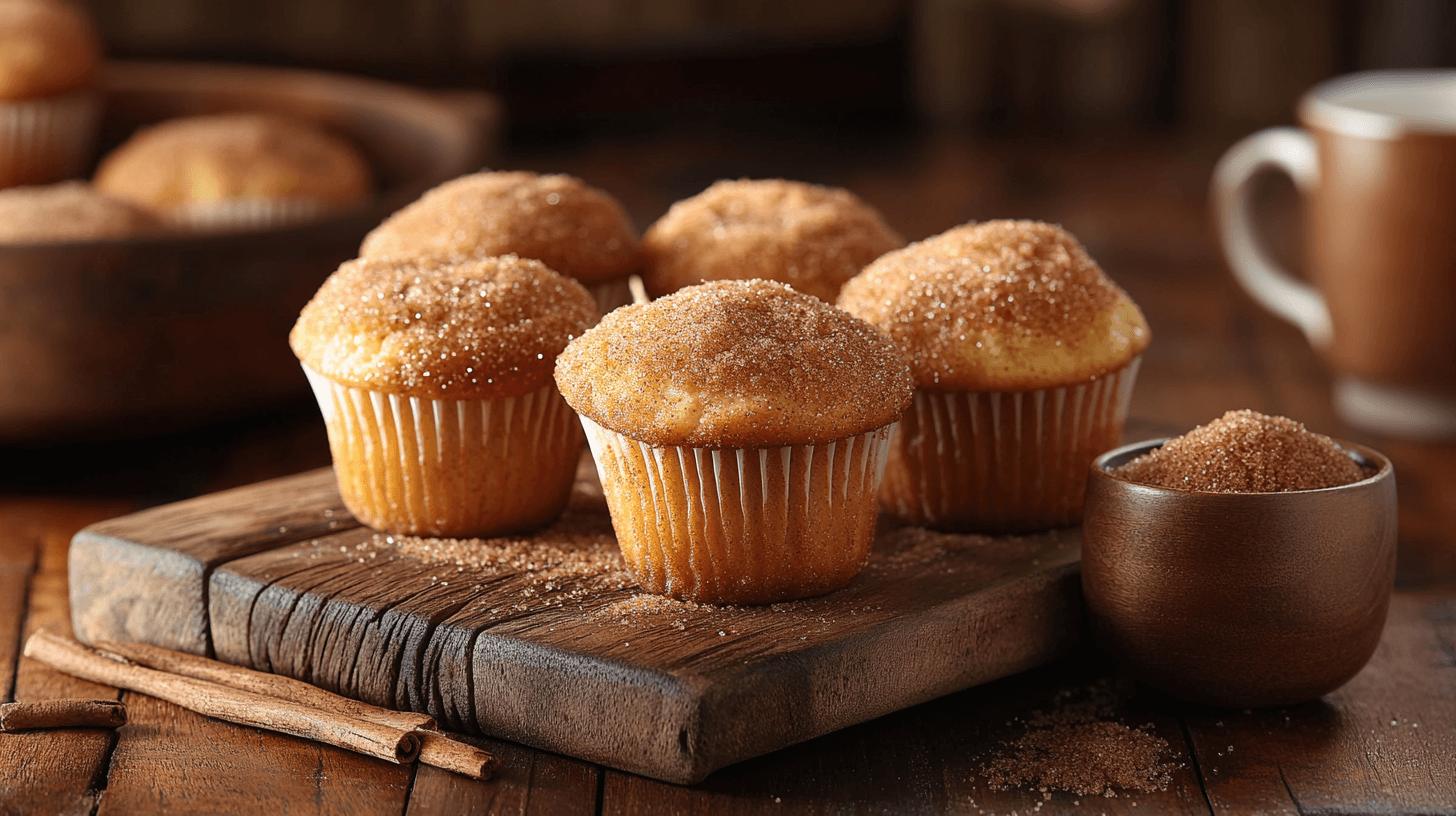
(1384, 743)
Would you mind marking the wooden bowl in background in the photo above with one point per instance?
(129, 337)
(1239, 599)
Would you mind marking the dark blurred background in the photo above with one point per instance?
(1103, 115)
(573, 68)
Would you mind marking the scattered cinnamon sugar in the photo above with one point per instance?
(1245, 452)
(967, 554)
(645, 609)
(576, 560)
(1088, 759)
(1077, 746)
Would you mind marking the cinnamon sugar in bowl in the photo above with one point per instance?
(1247, 563)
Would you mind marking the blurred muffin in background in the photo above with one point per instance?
(810, 237)
(67, 212)
(577, 230)
(237, 171)
(49, 55)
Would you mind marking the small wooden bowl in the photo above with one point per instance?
(1239, 599)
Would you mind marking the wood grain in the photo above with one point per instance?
(171, 760)
(1382, 744)
(554, 654)
(74, 760)
(17, 562)
(527, 783)
(270, 685)
(929, 758)
(121, 592)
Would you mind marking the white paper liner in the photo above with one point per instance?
(450, 467)
(47, 139)
(742, 525)
(1004, 462)
(244, 214)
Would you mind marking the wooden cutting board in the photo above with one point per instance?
(544, 640)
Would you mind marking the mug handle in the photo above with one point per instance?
(1293, 151)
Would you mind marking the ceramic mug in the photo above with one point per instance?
(1375, 163)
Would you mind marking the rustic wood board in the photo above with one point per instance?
(545, 641)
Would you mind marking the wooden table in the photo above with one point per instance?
(1384, 743)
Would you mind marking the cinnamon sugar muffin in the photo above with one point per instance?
(69, 211)
(237, 171)
(739, 429)
(435, 383)
(49, 55)
(578, 231)
(1024, 354)
(810, 237)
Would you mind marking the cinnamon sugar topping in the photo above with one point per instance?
(999, 306)
(741, 364)
(485, 328)
(575, 229)
(1245, 452)
(810, 237)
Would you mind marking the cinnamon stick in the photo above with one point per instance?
(62, 714)
(271, 685)
(442, 752)
(224, 703)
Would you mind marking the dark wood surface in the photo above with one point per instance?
(278, 577)
(1384, 743)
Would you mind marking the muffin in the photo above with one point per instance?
(812, 238)
(1024, 354)
(70, 211)
(579, 231)
(739, 429)
(435, 384)
(49, 55)
(237, 171)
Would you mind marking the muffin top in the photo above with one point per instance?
(486, 328)
(69, 211)
(47, 47)
(812, 238)
(574, 229)
(735, 364)
(235, 156)
(999, 306)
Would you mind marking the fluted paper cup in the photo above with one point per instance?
(742, 525)
(244, 214)
(1003, 461)
(47, 139)
(611, 294)
(455, 468)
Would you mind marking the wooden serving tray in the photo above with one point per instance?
(545, 641)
